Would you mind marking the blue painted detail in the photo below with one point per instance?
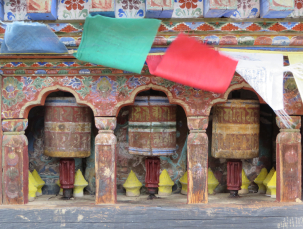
(10, 16)
(288, 25)
(16, 63)
(84, 71)
(194, 25)
(159, 13)
(40, 72)
(214, 13)
(104, 13)
(236, 14)
(228, 13)
(266, 10)
(253, 13)
(177, 164)
(68, 41)
(42, 63)
(140, 13)
(211, 40)
(1, 72)
(121, 12)
(52, 15)
(58, 26)
(26, 81)
(280, 40)
(242, 25)
(69, 63)
(75, 83)
(155, 50)
(1, 9)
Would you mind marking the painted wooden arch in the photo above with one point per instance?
(242, 85)
(42, 96)
(169, 95)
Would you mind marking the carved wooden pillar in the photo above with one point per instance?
(289, 168)
(15, 161)
(197, 160)
(105, 161)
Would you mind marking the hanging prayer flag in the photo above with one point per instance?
(117, 43)
(192, 63)
(21, 37)
(264, 73)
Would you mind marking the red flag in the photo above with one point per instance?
(191, 63)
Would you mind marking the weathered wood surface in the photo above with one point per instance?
(105, 161)
(289, 168)
(197, 160)
(15, 184)
(14, 161)
(186, 216)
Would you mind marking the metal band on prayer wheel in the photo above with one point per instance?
(236, 127)
(67, 128)
(152, 126)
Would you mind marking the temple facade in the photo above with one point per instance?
(28, 79)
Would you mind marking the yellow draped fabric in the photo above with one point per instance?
(295, 58)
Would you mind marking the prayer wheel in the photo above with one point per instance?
(67, 128)
(152, 132)
(152, 126)
(67, 134)
(236, 127)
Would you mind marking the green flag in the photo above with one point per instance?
(117, 43)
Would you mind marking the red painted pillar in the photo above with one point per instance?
(197, 160)
(234, 176)
(152, 165)
(105, 161)
(288, 167)
(15, 161)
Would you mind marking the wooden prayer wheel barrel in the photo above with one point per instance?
(67, 127)
(152, 126)
(236, 127)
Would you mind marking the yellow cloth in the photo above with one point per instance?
(295, 58)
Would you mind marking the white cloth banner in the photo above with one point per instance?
(264, 73)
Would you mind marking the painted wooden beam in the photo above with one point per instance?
(276, 8)
(42, 9)
(102, 7)
(159, 8)
(219, 8)
(289, 167)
